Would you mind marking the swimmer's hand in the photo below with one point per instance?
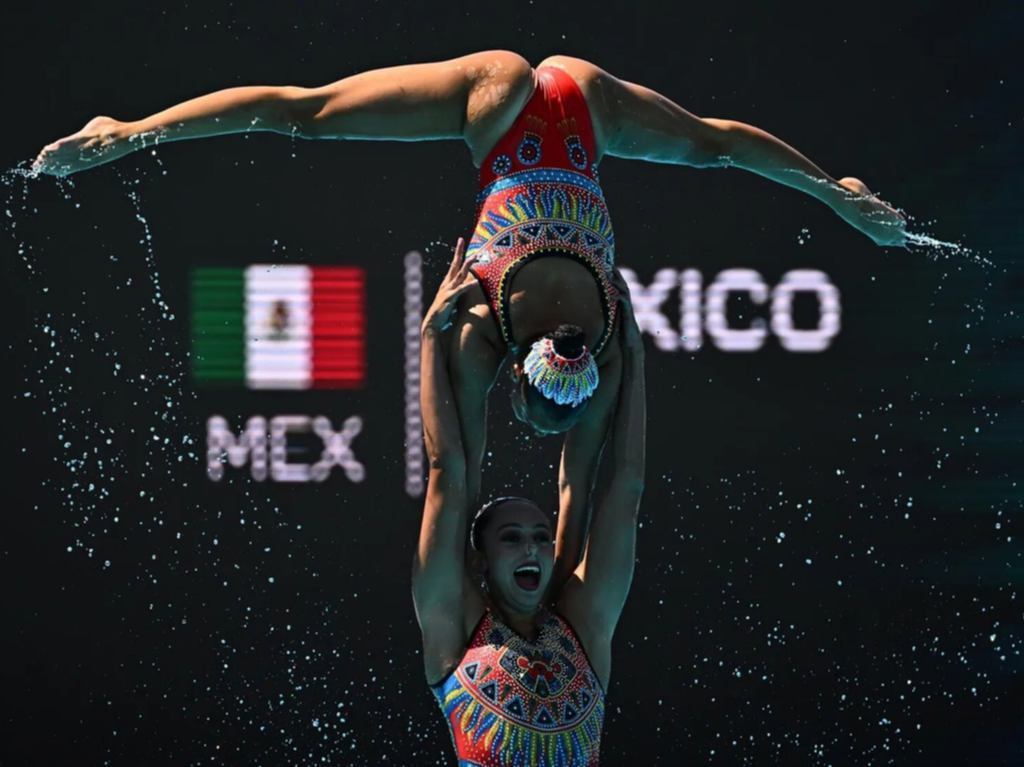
(458, 280)
(629, 332)
(862, 209)
(101, 140)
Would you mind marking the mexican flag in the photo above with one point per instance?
(269, 326)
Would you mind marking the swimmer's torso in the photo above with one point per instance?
(539, 197)
(510, 701)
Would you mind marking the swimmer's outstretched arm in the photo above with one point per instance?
(641, 124)
(416, 102)
(438, 572)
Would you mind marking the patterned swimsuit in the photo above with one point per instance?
(539, 196)
(511, 702)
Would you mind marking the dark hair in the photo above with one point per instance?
(568, 342)
(483, 518)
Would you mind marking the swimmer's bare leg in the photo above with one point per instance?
(635, 122)
(462, 98)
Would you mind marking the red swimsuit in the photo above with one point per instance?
(539, 196)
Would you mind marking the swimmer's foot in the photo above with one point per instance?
(875, 218)
(101, 140)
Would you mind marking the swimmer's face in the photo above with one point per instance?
(518, 534)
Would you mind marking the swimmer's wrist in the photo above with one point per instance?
(433, 327)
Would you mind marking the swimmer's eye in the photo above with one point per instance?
(514, 538)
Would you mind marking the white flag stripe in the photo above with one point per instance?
(275, 272)
(290, 285)
(273, 382)
(284, 374)
(278, 324)
(258, 325)
(294, 347)
(279, 362)
(270, 297)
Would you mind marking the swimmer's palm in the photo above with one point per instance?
(100, 141)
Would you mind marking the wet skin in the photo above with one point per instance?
(518, 533)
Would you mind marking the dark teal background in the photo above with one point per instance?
(891, 462)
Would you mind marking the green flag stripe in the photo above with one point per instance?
(218, 322)
(209, 319)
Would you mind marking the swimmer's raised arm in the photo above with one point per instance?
(462, 98)
(595, 594)
(438, 571)
(577, 472)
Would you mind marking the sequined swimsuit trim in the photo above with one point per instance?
(540, 196)
(476, 629)
(541, 174)
(515, 702)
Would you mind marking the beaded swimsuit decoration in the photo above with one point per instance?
(560, 379)
(540, 196)
(515, 702)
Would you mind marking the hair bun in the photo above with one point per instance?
(568, 341)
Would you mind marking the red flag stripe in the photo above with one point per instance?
(339, 326)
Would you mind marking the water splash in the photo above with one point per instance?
(935, 249)
(930, 246)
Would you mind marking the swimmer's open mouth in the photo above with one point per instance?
(527, 577)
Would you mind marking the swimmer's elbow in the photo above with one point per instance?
(447, 467)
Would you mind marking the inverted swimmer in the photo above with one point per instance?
(537, 136)
(518, 662)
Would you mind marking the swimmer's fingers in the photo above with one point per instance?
(456, 264)
(456, 282)
(630, 328)
(624, 299)
(620, 284)
(461, 265)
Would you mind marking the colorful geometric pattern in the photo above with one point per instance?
(560, 379)
(515, 702)
(528, 208)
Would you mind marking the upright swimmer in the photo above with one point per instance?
(543, 243)
(519, 663)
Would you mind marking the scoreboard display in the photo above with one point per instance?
(287, 327)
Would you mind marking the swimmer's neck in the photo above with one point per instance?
(525, 624)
